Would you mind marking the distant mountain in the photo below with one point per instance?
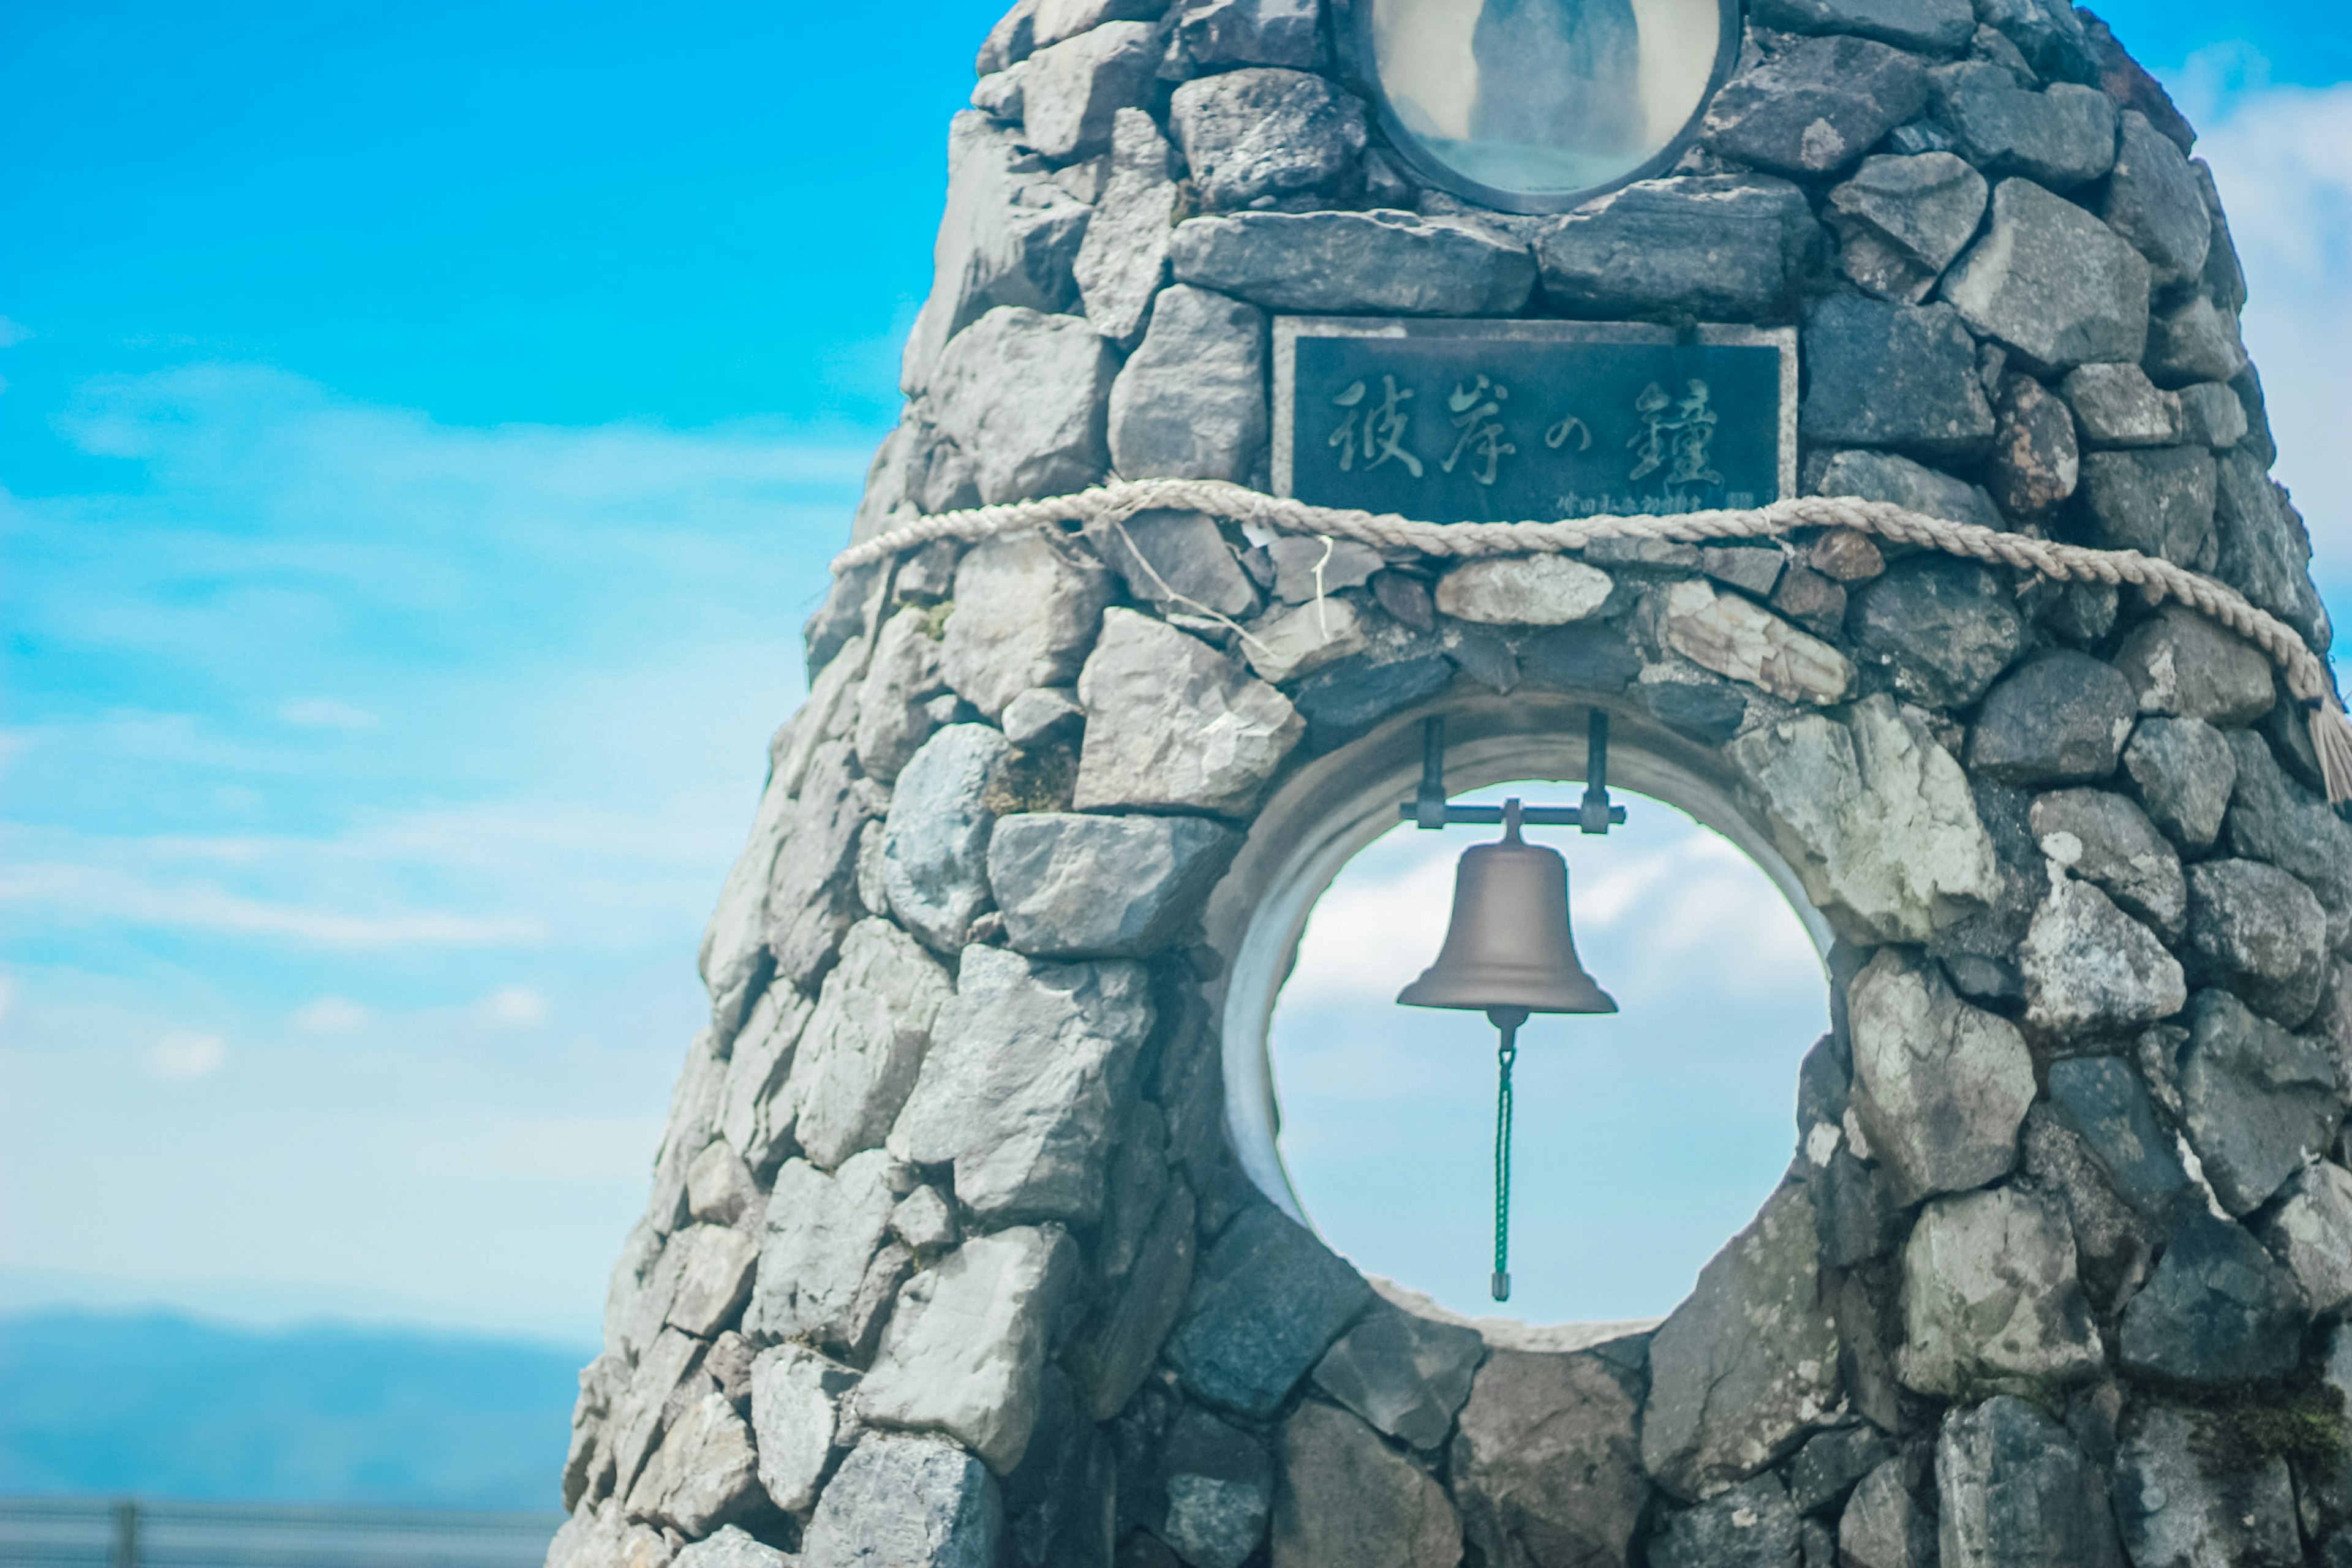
(167, 1406)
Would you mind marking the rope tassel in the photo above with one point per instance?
(2306, 674)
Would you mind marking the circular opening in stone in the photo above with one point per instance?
(1535, 105)
(1644, 1139)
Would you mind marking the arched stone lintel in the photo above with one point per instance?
(1326, 812)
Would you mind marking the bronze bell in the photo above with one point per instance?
(1508, 946)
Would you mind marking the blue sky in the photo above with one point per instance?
(424, 429)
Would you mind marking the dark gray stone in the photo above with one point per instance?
(1191, 402)
(1073, 885)
(2051, 281)
(2217, 1309)
(1346, 700)
(1349, 1499)
(2182, 771)
(1211, 1492)
(1547, 1468)
(2104, 838)
(2195, 340)
(1945, 627)
(899, 1499)
(1901, 220)
(1885, 475)
(2061, 719)
(1722, 247)
(2260, 932)
(1826, 1469)
(2103, 1102)
(1816, 106)
(2036, 461)
(1250, 32)
(2113, 1245)
(1884, 1524)
(1931, 27)
(2257, 1100)
(2153, 201)
(1893, 376)
(1709, 714)
(2061, 137)
(2180, 1510)
(1750, 1526)
(2211, 415)
(1059, 1504)
(2117, 405)
(1266, 1302)
(2158, 503)
(1265, 132)
(1590, 655)
(2048, 33)
(1177, 559)
(2272, 817)
(2015, 1492)
(1386, 263)
(2264, 549)
(1404, 1373)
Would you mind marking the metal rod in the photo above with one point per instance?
(1595, 814)
(1427, 807)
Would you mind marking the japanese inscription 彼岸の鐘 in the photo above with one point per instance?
(1495, 421)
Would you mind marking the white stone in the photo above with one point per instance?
(964, 1350)
(2311, 1233)
(1025, 614)
(602, 1537)
(1022, 393)
(730, 1547)
(865, 1041)
(752, 1115)
(1191, 402)
(925, 1221)
(1941, 1087)
(1990, 1299)
(893, 717)
(718, 1185)
(1523, 590)
(713, 1270)
(703, 1474)
(1124, 258)
(1298, 641)
(1736, 637)
(796, 1397)
(1875, 817)
(1075, 88)
(819, 1234)
(1171, 722)
(636, 1419)
(734, 942)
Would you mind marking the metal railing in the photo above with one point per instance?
(129, 1532)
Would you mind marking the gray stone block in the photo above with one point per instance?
(2103, 1101)
(2212, 416)
(2272, 817)
(810, 897)
(1265, 132)
(1885, 1525)
(1029, 1066)
(2159, 501)
(2258, 932)
(1059, 19)
(704, 1474)
(1724, 248)
(1023, 395)
(2103, 837)
(2061, 719)
(2265, 550)
(1266, 1301)
(2310, 1231)
(1179, 559)
(2194, 340)
(1171, 722)
(1191, 402)
(911, 1501)
(796, 1397)
(864, 1043)
(1990, 1299)
(1900, 221)
(818, 1239)
(1945, 627)
(934, 840)
(1888, 476)
(1387, 263)
(2061, 137)
(1749, 1526)
(2036, 461)
(1930, 26)
(2051, 281)
(1939, 1087)
(1073, 885)
(2178, 1511)
(1250, 32)
(2016, 1492)
(1348, 1500)
(2048, 33)
(1547, 1465)
(1123, 260)
(1028, 613)
(1113, 1353)
(1816, 106)
(2257, 1100)
(1893, 376)
(1074, 89)
(2153, 201)
(894, 710)
(2183, 772)
(1211, 1492)
(732, 1547)
(1404, 1373)
(2089, 967)
(1828, 1468)
(2117, 405)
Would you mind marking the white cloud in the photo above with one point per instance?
(96, 892)
(8, 996)
(330, 1016)
(179, 1056)
(327, 713)
(516, 1006)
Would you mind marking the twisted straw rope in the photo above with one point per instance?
(2306, 674)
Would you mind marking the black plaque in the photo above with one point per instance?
(1457, 421)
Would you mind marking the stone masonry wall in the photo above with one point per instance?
(948, 1260)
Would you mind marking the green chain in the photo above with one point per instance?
(1505, 1055)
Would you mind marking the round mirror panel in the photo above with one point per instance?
(1535, 105)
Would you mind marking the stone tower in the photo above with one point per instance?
(969, 1243)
